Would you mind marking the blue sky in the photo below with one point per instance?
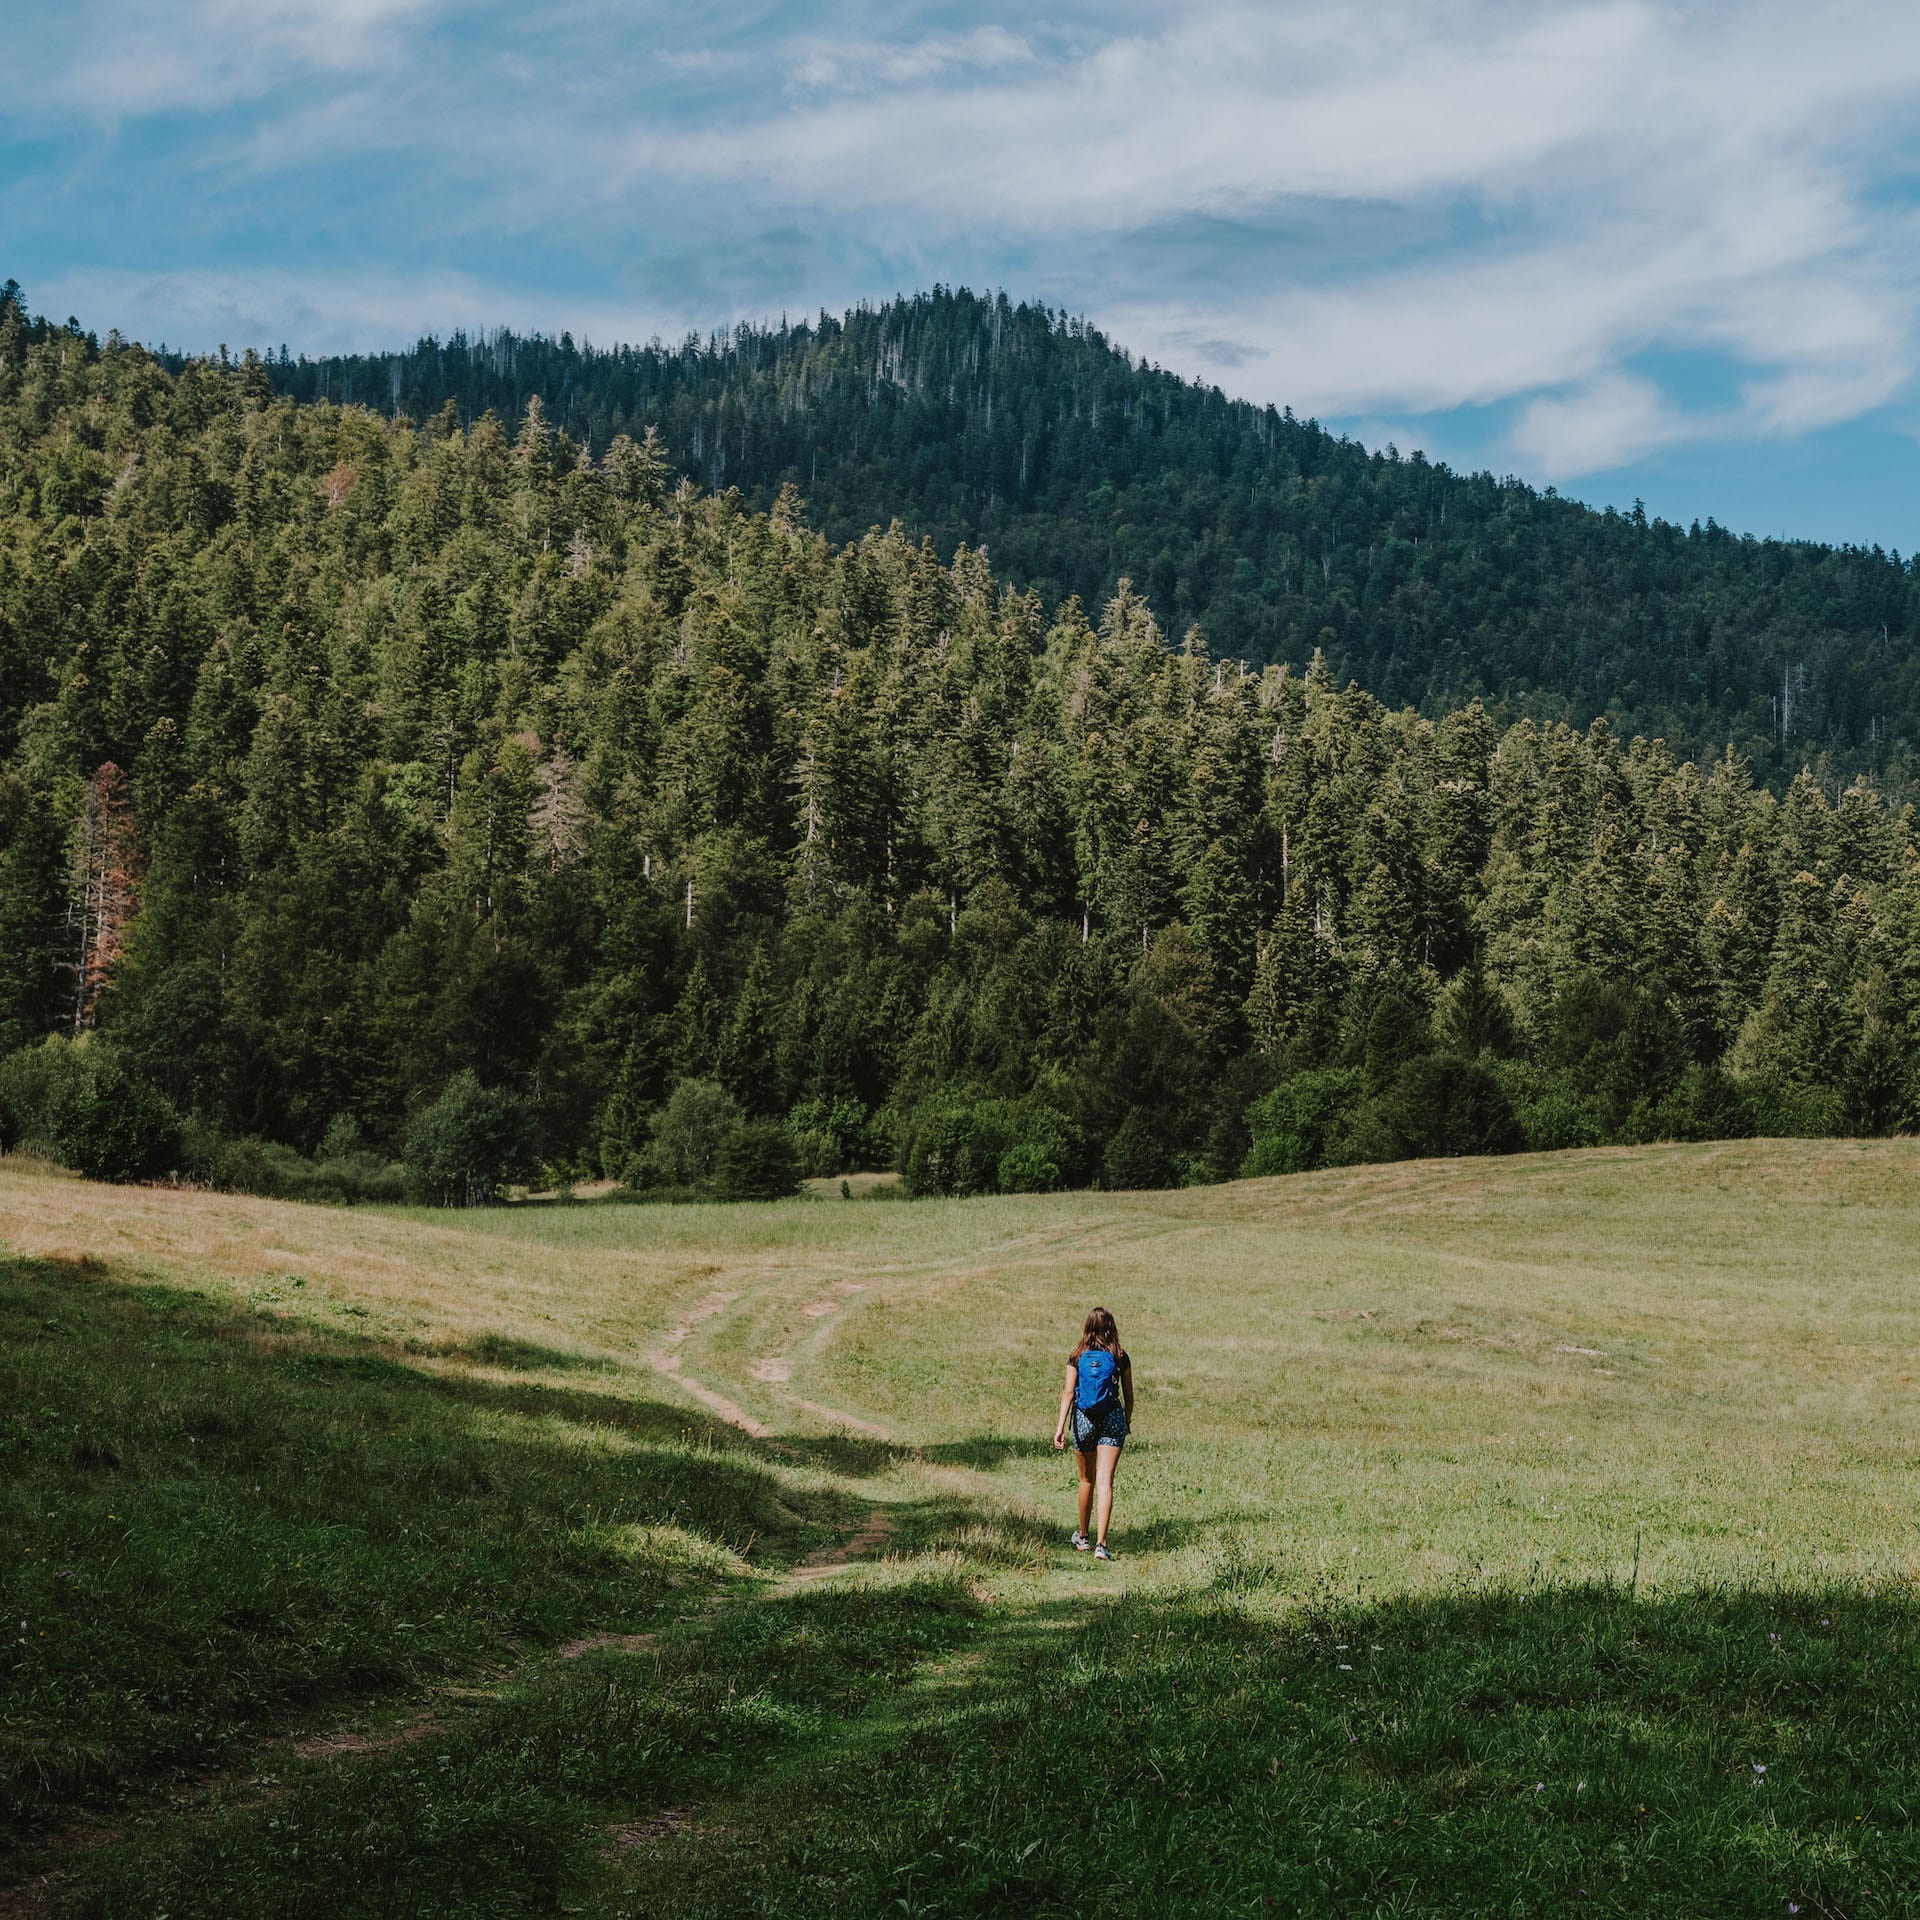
(1625, 249)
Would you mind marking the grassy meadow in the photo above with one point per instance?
(1515, 1537)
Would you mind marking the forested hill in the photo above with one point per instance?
(971, 419)
(342, 759)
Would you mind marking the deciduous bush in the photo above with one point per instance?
(471, 1144)
(244, 1166)
(988, 1146)
(686, 1134)
(343, 1171)
(77, 1102)
(840, 1136)
(1555, 1108)
(1303, 1122)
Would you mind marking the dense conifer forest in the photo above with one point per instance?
(369, 785)
(976, 421)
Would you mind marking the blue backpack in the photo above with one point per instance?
(1099, 1380)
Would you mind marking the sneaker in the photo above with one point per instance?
(1078, 1541)
(1100, 1552)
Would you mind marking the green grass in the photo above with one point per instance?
(1488, 1530)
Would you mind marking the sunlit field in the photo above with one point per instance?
(1519, 1536)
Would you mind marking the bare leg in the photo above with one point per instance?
(1084, 1460)
(1106, 1459)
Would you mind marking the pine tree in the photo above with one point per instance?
(748, 1053)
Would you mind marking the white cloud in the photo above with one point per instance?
(1462, 203)
(1222, 109)
(848, 65)
(1604, 423)
(127, 60)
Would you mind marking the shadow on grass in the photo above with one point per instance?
(998, 1538)
(516, 1356)
(987, 1451)
(1262, 1747)
(236, 1521)
(832, 1754)
(224, 1522)
(858, 1456)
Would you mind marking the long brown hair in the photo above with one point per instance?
(1101, 1330)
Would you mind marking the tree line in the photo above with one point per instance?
(364, 781)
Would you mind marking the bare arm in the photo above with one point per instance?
(1066, 1401)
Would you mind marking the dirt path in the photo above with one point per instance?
(834, 1417)
(772, 1371)
(858, 1545)
(729, 1410)
(665, 1359)
(39, 1897)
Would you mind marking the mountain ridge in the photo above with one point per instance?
(978, 421)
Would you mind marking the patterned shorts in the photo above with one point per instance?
(1103, 1427)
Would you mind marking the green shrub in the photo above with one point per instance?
(342, 1139)
(1303, 1123)
(361, 1178)
(686, 1136)
(756, 1161)
(1782, 1111)
(988, 1146)
(75, 1101)
(470, 1144)
(815, 1152)
(1195, 1170)
(1554, 1107)
(343, 1172)
(649, 1196)
(840, 1136)
(1044, 1148)
(948, 1152)
(1026, 1168)
(244, 1166)
(1706, 1104)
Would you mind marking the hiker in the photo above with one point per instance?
(1098, 1398)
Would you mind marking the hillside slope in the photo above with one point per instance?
(977, 420)
(340, 757)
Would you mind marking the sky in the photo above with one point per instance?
(1666, 252)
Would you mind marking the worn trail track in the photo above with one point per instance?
(815, 1300)
(40, 1896)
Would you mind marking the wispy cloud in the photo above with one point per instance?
(1391, 212)
(121, 60)
(858, 65)
(1224, 109)
(1599, 424)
